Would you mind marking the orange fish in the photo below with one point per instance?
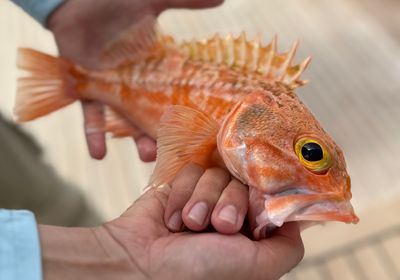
(230, 94)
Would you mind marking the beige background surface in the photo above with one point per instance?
(354, 92)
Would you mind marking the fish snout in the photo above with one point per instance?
(300, 204)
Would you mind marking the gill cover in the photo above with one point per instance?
(244, 145)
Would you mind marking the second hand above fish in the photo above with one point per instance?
(231, 95)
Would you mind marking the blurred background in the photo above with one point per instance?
(354, 92)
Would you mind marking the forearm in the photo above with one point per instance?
(83, 253)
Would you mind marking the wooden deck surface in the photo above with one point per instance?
(354, 92)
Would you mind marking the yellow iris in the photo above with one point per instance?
(313, 155)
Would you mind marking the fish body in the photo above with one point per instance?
(154, 85)
(229, 94)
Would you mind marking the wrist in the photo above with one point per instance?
(83, 253)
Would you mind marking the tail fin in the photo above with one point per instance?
(46, 88)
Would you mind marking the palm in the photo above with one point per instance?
(154, 248)
(206, 253)
(203, 253)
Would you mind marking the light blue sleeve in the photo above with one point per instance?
(39, 9)
(20, 256)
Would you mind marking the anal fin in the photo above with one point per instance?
(117, 125)
(185, 136)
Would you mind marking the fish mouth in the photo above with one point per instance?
(301, 204)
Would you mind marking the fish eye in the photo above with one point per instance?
(312, 151)
(313, 155)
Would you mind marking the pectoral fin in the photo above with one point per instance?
(185, 136)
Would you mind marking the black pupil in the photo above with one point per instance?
(312, 152)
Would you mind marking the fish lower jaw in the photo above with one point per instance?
(320, 211)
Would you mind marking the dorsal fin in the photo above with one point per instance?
(142, 40)
(249, 55)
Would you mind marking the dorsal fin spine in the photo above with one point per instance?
(204, 51)
(229, 50)
(287, 62)
(218, 49)
(292, 78)
(265, 64)
(255, 54)
(250, 56)
(241, 49)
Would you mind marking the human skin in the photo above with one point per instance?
(202, 197)
(138, 245)
(82, 28)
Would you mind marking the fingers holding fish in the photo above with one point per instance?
(93, 114)
(197, 212)
(200, 197)
(194, 4)
(182, 189)
(147, 148)
(231, 209)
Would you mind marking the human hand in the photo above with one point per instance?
(82, 28)
(201, 197)
(161, 253)
(138, 245)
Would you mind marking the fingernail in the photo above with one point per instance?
(175, 221)
(199, 212)
(229, 214)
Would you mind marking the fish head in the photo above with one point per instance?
(294, 169)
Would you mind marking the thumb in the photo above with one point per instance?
(151, 205)
(282, 251)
